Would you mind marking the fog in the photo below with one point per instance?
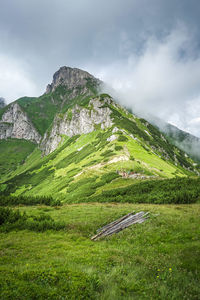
(147, 50)
(163, 80)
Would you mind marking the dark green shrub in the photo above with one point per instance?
(107, 153)
(7, 215)
(168, 191)
(81, 182)
(27, 200)
(122, 138)
(43, 222)
(108, 177)
(15, 220)
(93, 162)
(118, 148)
(73, 172)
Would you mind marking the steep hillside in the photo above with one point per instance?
(189, 143)
(2, 102)
(184, 140)
(13, 153)
(86, 142)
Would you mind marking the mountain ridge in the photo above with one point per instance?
(84, 135)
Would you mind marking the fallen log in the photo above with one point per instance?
(120, 224)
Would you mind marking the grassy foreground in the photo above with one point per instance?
(159, 259)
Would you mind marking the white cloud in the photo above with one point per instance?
(163, 80)
(15, 81)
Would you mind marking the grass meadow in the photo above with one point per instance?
(159, 259)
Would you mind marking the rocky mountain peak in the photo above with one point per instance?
(2, 102)
(71, 78)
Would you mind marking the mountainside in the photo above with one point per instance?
(184, 140)
(80, 141)
(2, 102)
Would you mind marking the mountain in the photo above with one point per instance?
(184, 140)
(2, 102)
(189, 143)
(75, 141)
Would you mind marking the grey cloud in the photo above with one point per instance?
(115, 39)
(161, 80)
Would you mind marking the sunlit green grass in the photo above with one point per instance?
(13, 154)
(50, 175)
(159, 259)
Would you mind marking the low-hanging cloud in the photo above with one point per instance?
(15, 81)
(135, 46)
(163, 80)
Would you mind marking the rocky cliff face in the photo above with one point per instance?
(16, 124)
(79, 120)
(71, 78)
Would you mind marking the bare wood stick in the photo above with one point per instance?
(124, 225)
(106, 227)
(116, 230)
(115, 222)
(121, 224)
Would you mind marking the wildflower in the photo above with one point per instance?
(158, 276)
(158, 270)
(170, 269)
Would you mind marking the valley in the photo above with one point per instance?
(73, 160)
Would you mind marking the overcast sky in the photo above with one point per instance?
(148, 50)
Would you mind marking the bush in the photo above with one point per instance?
(118, 148)
(107, 153)
(81, 182)
(168, 191)
(15, 220)
(28, 200)
(8, 215)
(43, 222)
(122, 138)
(108, 177)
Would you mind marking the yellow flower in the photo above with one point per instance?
(170, 269)
(158, 276)
(158, 270)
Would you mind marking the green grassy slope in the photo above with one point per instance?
(85, 165)
(82, 166)
(13, 153)
(158, 259)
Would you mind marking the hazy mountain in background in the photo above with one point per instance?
(184, 140)
(2, 102)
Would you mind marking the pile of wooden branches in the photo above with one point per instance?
(120, 224)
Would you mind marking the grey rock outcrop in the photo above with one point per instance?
(2, 102)
(71, 78)
(80, 120)
(16, 124)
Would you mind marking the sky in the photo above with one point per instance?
(147, 51)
